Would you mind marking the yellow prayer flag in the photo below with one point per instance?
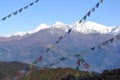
(77, 75)
(53, 46)
(31, 66)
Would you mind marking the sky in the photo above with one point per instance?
(51, 11)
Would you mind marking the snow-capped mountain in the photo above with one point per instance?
(27, 47)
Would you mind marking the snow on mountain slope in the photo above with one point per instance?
(92, 27)
(28, 47)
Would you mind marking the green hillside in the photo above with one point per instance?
(8, 69)
(69, 74)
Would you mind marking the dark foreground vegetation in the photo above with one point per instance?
(8, 70)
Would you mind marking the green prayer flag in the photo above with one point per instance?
(77, 67)
(82, 60)
(84, 18)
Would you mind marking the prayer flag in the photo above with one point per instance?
(84, 18)
(63, 58)
(31, 4)
(36, 1)
(47, 49)
(111, 40)
(9, 15)
(26, 7)
(15, 12)
(93, 9)
(40, 58)
(78, 62)
(77, 67)
(105, 43)
(77, 55)
(35, 62)
(69, 31)
(60, 38)
(17, 74)
(97, 5)
(80, 21)
(31, 66)
(82, 60)
(86, 65)
(3, 18)
(88, 13)
(93, 48)
(57, 42)
(53, 46)
(20, 10)
(27, 68)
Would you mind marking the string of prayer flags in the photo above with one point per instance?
(89, 12)
(77, 68)
(99, 46)
(59, 40)
(79, 59)
(19, 11)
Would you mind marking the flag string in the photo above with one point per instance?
(19, 10)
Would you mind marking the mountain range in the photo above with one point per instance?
(27, 47)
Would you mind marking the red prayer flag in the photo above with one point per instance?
(17, 74)
(40, 58)
(78, 62)
(86, 65)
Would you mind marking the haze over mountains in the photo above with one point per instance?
(27, 47)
